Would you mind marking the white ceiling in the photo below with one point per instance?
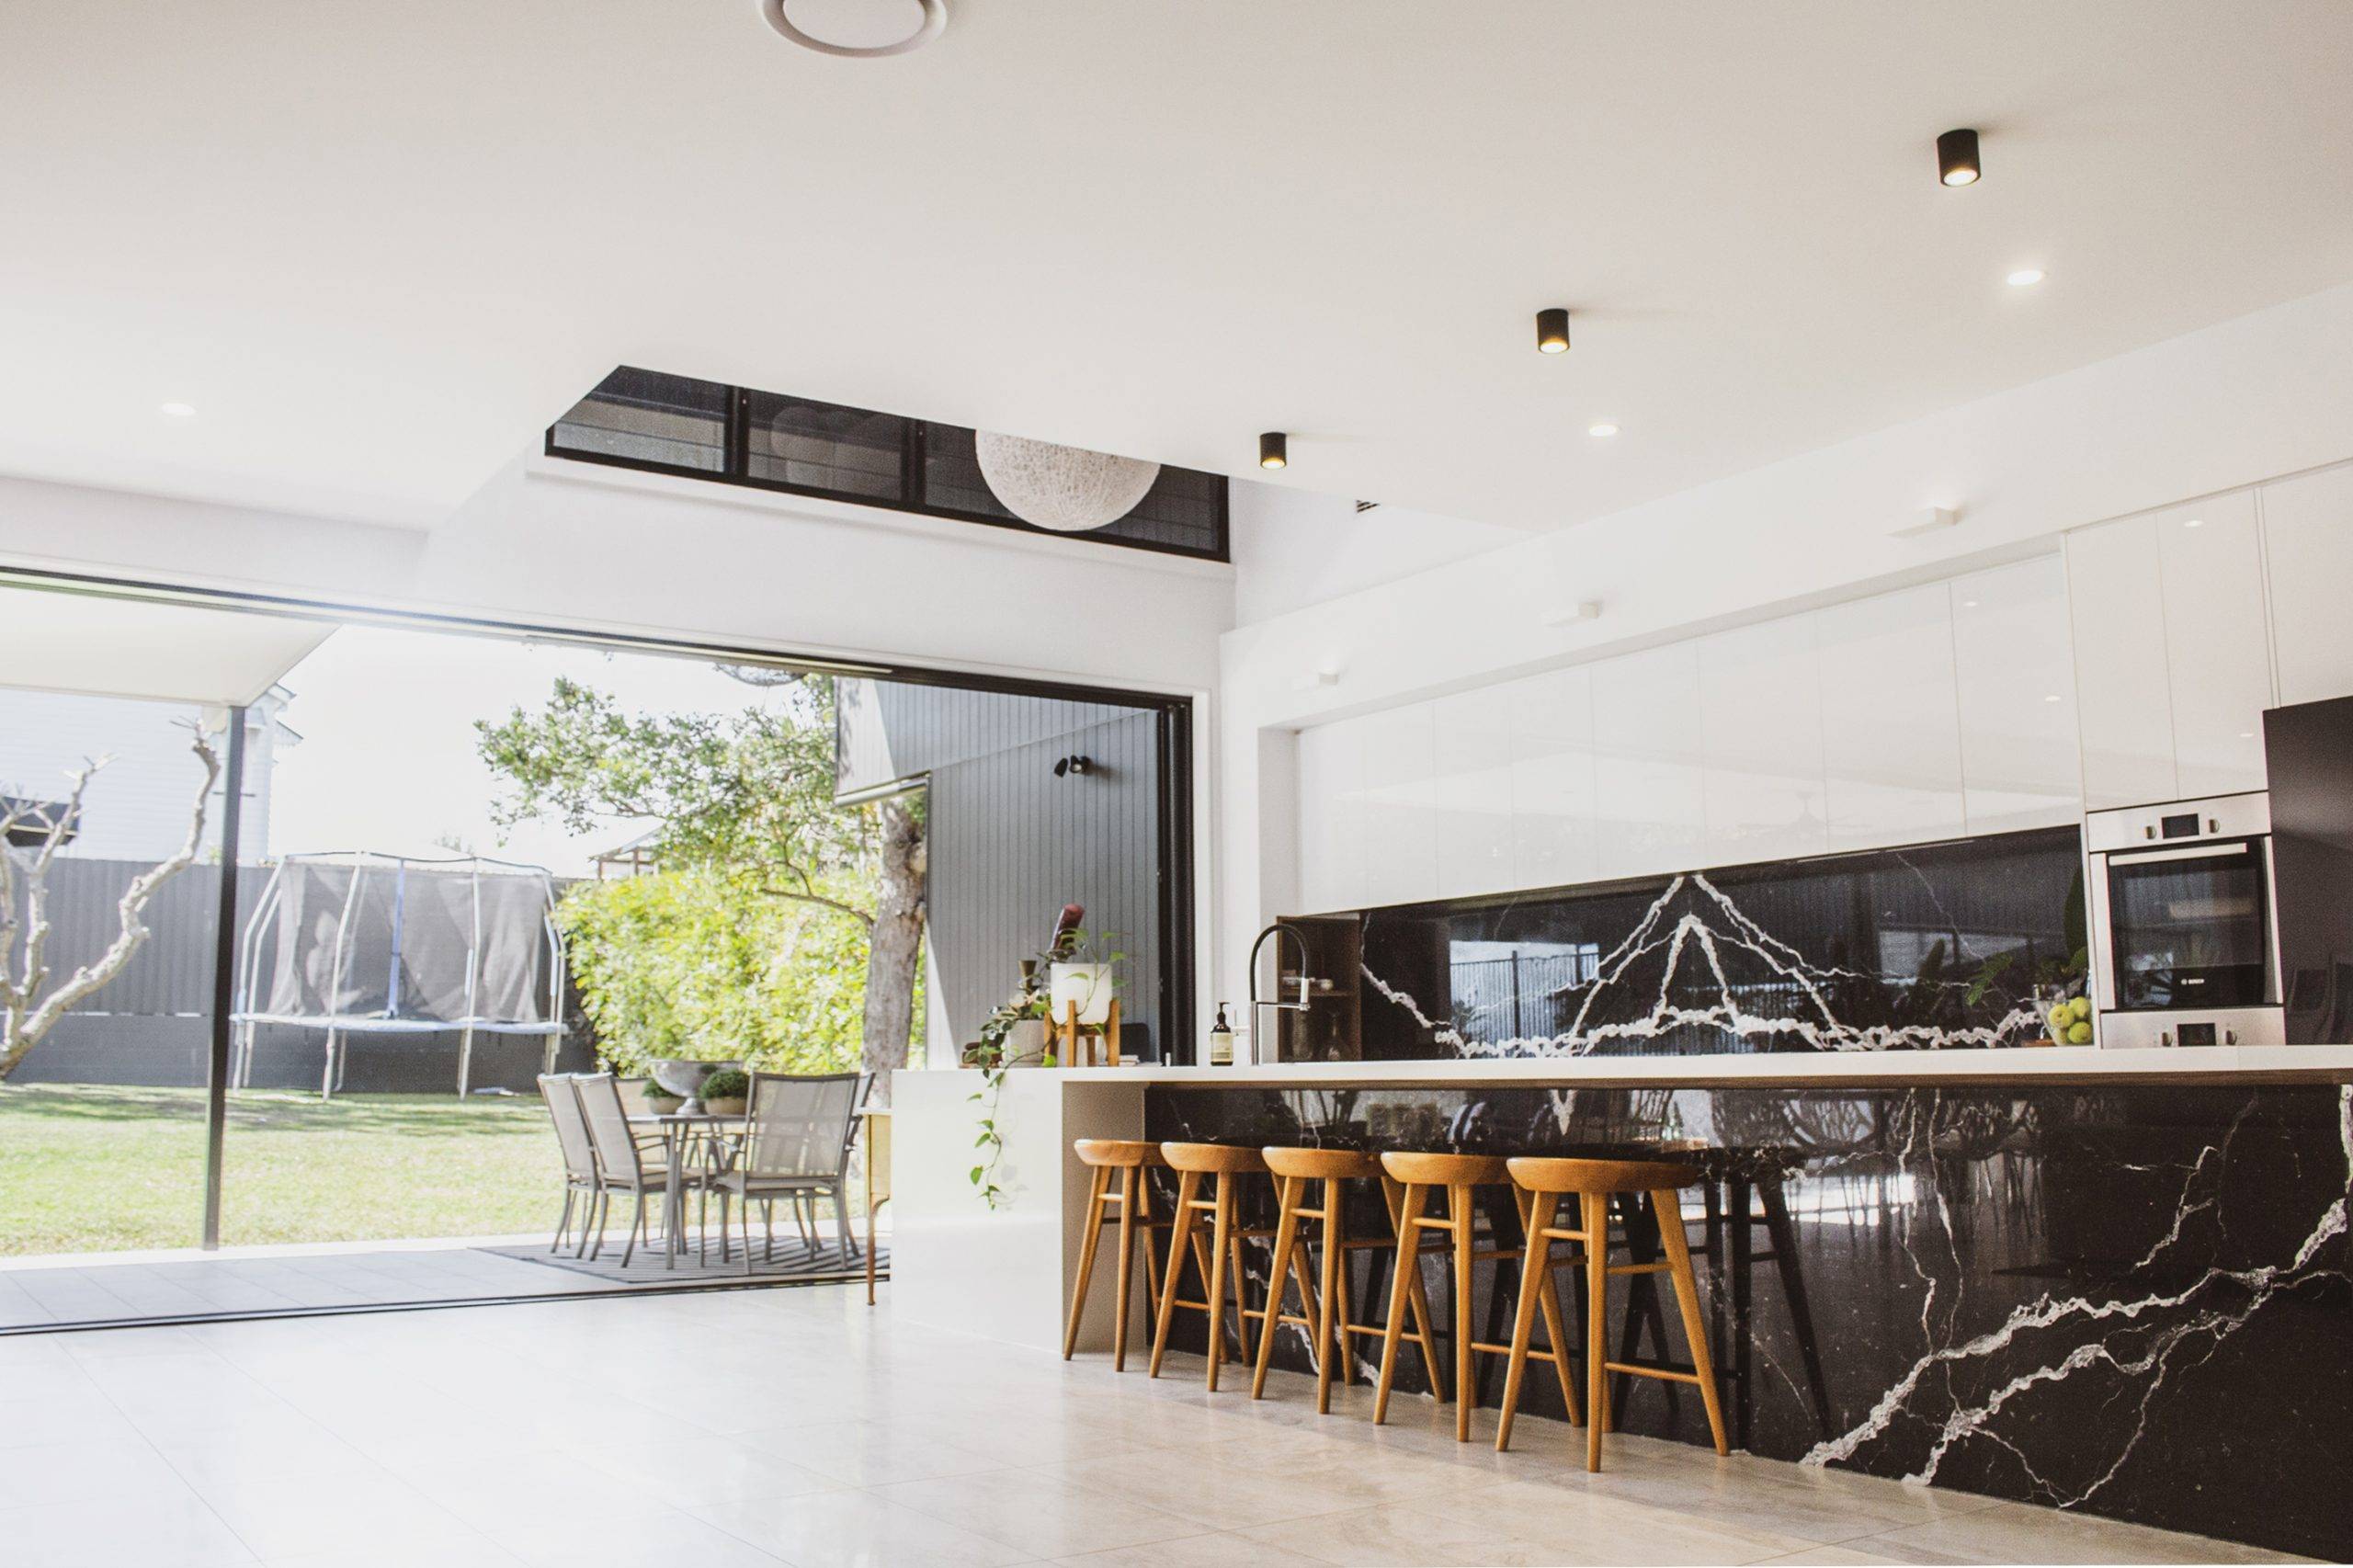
(378, 246)
(146, 648)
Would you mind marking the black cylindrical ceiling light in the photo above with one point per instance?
(1957, 158)
(1553, 331)
(1274, 449)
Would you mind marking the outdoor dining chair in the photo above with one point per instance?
(796, 1147)
(579, 1156)
(620, 1159)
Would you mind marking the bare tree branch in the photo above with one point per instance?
(25, 1014)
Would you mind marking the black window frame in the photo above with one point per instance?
(914, 470)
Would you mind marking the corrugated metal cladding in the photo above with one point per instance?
(1011, 843)
(893, 730)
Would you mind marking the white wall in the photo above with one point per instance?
(1293, 548)
(2217, 411)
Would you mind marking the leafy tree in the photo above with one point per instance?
(684, 963)
(744, 799)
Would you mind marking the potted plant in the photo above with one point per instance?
(679, 1076)
(725, 1092)
(659, 1100)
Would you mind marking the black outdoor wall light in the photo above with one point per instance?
(1079, 765)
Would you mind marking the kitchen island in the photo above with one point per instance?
(2114, 1280)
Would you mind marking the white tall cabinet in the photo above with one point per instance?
(2172, 655)
(2134, 667)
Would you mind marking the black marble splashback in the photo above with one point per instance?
(2133, 1301)
(1918, 949)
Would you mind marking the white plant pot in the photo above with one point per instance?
(1025, 1042)
(1089, 984)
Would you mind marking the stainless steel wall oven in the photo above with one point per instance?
(2185, 929)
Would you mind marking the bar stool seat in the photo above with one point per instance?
(1461, 1176)
(1128, 1160)
(1295, 1169)
(1543, 1184)
(1227, 1164)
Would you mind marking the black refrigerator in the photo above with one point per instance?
(2308, 751)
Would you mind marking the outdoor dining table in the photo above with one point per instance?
(677, 1130)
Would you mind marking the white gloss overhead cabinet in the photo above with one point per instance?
(1650, 801)
(1331, 817)
(2308, 540)
(1891, 726)
(1554, 841)
(1474, 735)
(2020, 762)
(2116, 603)
(1760, 724)
(1401, 805)
(2218, 661)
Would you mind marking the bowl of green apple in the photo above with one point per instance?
(2069, 1020)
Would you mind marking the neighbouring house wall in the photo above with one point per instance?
(136, 805)
(1849, 641)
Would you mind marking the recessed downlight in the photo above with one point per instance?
(177, 410)
(2194, 523)
(2049, 697)
(1601, 430)
(1957, 160)
(2025, 278)
(858, 29)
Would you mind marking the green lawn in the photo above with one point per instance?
(88, 1169)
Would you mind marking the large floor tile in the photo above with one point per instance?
(1041, 1513)
(128, 1532)
(855, 1529)
(666, 1541)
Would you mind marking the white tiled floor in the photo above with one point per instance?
(796, 1426)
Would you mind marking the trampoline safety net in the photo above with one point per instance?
(369, 944)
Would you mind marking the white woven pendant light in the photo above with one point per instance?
(1067, 489)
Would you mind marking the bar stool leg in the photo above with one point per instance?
(1328, 1345)
(1286, 1234)
(1461, 1222)
(1409, 1263)
(1180, 1232)
(1393, 1197)
(1128, 1180)
(1098, 1178)
(1596, 1336)
(1536, 1265)
(1221, 1245)
(1666, 1205)
(1556, 1330)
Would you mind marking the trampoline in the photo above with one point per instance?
(359, 943)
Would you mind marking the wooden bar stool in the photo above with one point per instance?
(1462, 1175)
(1594, 1182)
(1335, 1321)
(1129, 1161)
(1191, 1162)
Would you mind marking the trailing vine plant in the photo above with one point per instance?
(994, 1057)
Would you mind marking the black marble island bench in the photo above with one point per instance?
(2065, 1278)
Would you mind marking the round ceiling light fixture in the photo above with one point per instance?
(1274, 449)
(1553, 331)
(858, 29)
(1065, 489)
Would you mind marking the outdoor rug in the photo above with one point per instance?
(795, 1263)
